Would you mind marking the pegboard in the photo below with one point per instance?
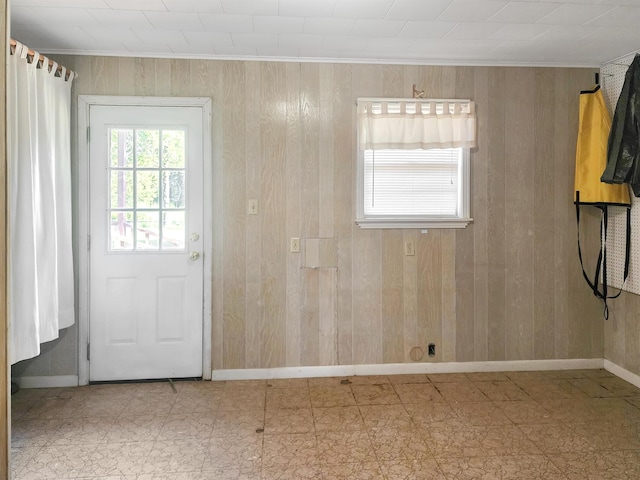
(611, 81)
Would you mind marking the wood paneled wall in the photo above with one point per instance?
(508, 287)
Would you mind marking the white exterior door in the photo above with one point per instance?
(146, 242)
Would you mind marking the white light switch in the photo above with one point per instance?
(409, 248)
(295, 245)
(252, 206)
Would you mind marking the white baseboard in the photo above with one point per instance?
(405, 368)
(47, 382)
(623, 373)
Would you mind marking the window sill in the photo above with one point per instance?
(381, 223)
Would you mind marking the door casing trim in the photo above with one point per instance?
(84, 104)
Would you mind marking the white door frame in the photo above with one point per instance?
(84, 104)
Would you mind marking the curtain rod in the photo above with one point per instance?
(41, 58)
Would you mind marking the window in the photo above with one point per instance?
(413, 164)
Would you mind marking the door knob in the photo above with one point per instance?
(194, 256)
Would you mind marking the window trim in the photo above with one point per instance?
(424, 222)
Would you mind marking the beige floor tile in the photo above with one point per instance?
(480, 413)
(418, 393)
(230, 474)
(186, 425)
(206, 402)
(291, 472)
(592, 466)
(369, 380)
(564, 374)
(234, 424)
(82, 431)
(50, 408)
(288, 398)
(135, 428)
(64, 461)
(399, 445)
(611, 436)
(619, 387)
(526, 413)
(627, 461)
(345, 419)
(353, 471)
(461, 392)
(245, 384)
(180, 455)
(338, 396)
(504, 440)
(591, 388)
(199, 387)
(448, 377)
(409, 378)
(424, 415)
(20, 456)
(551, 389)
(290, 450)
(381, 417)
(501, 391)
(532, 467)
(488, 377)
(452, 440)
(328, 381)
(288, 383)
(34, 432)
(558, 438)
(570, 410)
(242, 452)
(615, 410)
(149, 405)
(122, 459)
(289, 420)
(415, 470)
(344, 447)
(375, 394)
(528, 376)
(235, 399)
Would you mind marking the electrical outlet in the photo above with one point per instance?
(295, 245)
(409, 248)
(432, 350)
(252, 206)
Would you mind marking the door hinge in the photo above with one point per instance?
(88, 134)
(88, 352)
(88, 242)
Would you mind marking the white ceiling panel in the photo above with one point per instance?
(227, 23)
(278, 25)
(196, 6)
(175, 20)
(573, 14)
(362, 9)
(306, 8)
(493, 32)
(471, 10)
(148, 5)
(416, 9)
(527, 12)
(426, 29)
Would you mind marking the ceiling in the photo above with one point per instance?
(460, 32)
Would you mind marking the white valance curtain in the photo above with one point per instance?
(40, 277)
(416, 124)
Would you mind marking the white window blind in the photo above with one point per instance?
(412, 183)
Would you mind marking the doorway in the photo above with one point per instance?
(145, 218)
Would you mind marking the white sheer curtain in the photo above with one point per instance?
(416, 124)
(41, 286)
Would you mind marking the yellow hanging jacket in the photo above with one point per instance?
(591, 155)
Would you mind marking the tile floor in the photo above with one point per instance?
(579, 424)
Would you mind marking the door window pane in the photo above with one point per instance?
(173, 149)
(121, 231)
(121, 147)
(148, 190)
(147, 230)
(147, 148)
(173, 230)
(121, 189)
(173, 189)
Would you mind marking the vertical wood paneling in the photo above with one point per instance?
(479, 211)
(327, 288)
(464, 265)
(235, 251)
(343, 178)
(518, 214)
(293, 189)
(284, 133)
(310, 198)
(429, 287)
(145, 77)
(543, 214)
(272, 199)
(367, 257)
(496, 182)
